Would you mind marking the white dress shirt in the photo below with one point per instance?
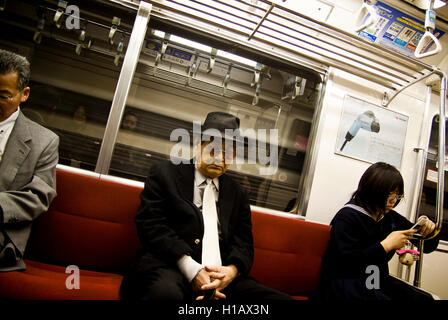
(187, 265)
(5, 131)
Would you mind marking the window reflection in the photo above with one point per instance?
(79, 120)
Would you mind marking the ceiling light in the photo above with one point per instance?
(199, 46)
(424, 4)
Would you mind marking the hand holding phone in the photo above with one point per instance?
(419, 224)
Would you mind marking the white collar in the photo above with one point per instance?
(11, 119)
(362, 210)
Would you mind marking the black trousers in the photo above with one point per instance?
(170, 284)
(397, 290)
(391, 289)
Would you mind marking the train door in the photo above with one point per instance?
(433, 266)
(427, 204)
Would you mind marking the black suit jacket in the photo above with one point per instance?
(169, 225)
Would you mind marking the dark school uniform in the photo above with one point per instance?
(355, 253)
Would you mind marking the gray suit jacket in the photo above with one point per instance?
(27, 183)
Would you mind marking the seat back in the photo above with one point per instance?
(288, 253)
(89, 224)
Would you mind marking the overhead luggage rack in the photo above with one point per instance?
(268, 28)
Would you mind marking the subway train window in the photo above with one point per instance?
(73, 71)
(78, 119)
(429, 191)
(178, 81)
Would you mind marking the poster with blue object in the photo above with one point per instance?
(397, 31)
(371, 133)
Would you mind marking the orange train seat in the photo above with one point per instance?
(90, 224)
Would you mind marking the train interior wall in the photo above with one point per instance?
(337, 185)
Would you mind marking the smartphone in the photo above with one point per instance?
(419, 224)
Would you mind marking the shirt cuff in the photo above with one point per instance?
(188, 267)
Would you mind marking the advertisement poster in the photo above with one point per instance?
(397, 31)
(371, 133)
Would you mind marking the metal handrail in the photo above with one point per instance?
(359, 42)
(252, 25)
(441, 176)
(340, 47)
(123, 86)
(320, 27)
(441, 160)
(422, 156)
(388, 99)
(383, 68)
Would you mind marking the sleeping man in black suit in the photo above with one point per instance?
(194, 223)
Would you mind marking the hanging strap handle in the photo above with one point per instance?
(424, 41)
(366, 10)
(428, 37)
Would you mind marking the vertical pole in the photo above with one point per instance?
(122, 90)
(422, 157)
(419, 265)
(419, 178)
(441, 176)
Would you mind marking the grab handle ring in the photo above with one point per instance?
(425, 41)
(366, 10)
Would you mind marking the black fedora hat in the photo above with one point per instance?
(221, 122)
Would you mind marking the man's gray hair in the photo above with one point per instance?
(12, 62)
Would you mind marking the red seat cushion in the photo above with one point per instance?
(288, 253)
(47, 282)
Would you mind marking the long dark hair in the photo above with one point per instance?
(377, 182)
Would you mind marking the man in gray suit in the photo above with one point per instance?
(28, 158)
